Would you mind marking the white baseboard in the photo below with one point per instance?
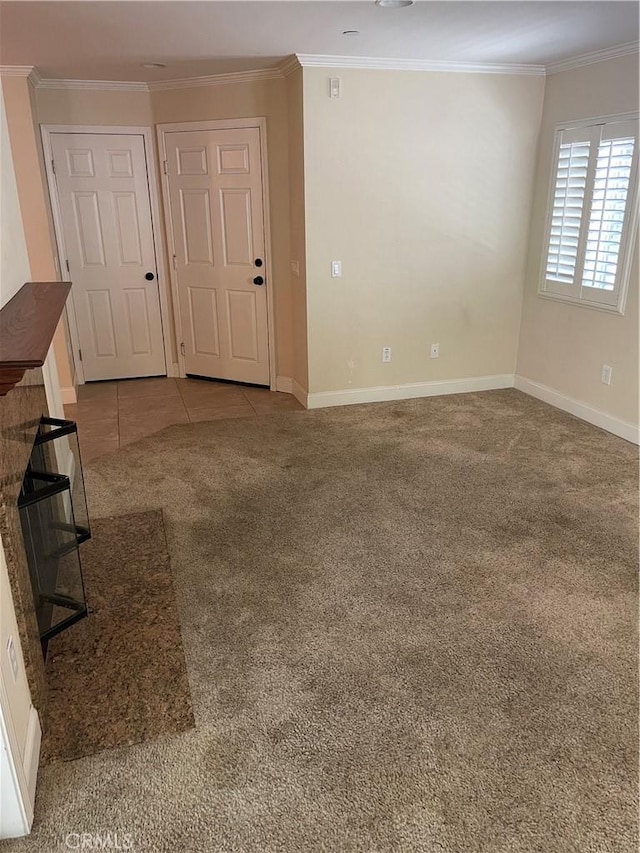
(68, 396)
(624, 429)
(299, 393)
(285, 384)
(380, 393)
(290, 386)
(32, 753)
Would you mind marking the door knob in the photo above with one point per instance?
(258, 262)
(258, 280)
(149, 276)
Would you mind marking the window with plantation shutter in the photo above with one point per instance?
(568, 201)
(608, 206)
(592, 213)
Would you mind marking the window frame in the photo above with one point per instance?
(574, 293)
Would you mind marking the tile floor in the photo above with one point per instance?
(110, 415)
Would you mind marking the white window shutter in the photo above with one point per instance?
(569, 195)
(591, 212)
(567, 210)
(610, 212)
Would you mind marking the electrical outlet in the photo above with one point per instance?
(336, 269)
(435, 351)
(607, 371)
(386, 354)
(295, 268)
(13, 658)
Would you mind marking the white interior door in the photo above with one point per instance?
(105, 211)
(216, 205)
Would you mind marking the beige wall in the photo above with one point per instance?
(34, 203)
(266, 98)
(14, 259)
(14, 271)
(238, 100)
(90, 106)
(18, 695)
(297, 216)
(564, 346)
(420, 183)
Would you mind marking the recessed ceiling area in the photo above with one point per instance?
(114, 40)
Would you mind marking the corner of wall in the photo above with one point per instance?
(562, 347)
(28, 165)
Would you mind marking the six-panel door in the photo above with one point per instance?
(215, 194)
(106, 218)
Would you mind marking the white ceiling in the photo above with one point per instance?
(110, 40)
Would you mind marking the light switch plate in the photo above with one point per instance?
(336, 269)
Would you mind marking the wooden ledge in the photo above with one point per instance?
(27, 325)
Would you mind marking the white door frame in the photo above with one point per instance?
(223, 124)
(18, 772)
(147, 134)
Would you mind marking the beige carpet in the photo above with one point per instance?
(408, 627)
(118, 677)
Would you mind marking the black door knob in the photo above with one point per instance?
(258, 262)
(149, 276)
(258, 280)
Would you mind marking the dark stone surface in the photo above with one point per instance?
(20, 413)
(118, 677)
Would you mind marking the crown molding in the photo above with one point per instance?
(34, 78)
(383, 64)
(289, 65)
(217, 79)
(16, 70)
(306, 60)
(593, 57)
(27, 71)
(103, 85)
(162, 85)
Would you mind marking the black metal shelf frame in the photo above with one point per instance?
(48, 503)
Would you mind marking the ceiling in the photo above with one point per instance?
(111, 40)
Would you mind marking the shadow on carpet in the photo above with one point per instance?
(119, 677)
